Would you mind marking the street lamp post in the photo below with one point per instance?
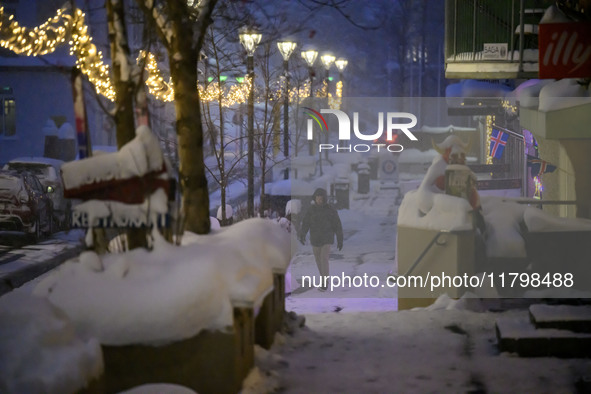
(250, 41)
(327, 61)
(286, 48)
(341, 65)
(309, 57)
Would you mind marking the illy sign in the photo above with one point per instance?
(565, 50)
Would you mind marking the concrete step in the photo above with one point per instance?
(517, 334)
(575, 318)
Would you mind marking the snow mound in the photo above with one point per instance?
(562, 94)
(258, 382)
(468, 302)
(448, 213)
(139, 157)
(528, 93)
(214, 223)
(293, 207)
(39, 349)
(537, 220)
(131, 301)
(229, 212)
(503, 227)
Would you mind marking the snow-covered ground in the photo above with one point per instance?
(369, 229)
(20, 263)
(441, 351)
(355, 340)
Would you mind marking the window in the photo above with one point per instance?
(8, 121)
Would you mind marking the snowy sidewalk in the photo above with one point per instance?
(443, 351)
(369, 228)
(18, 266)
(355, 340)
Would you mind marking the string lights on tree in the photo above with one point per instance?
(45, 38)
(157, 87)
(88, 59)
(37, 41)
(490, 120)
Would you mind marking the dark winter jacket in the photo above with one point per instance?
(323, 222)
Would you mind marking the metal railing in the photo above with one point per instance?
(470, 24)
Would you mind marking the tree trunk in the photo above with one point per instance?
(124, 91)
(183, 68)
(124, 117)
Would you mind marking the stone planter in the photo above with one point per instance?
(213, 362)
(269, 320)
(452, 254)
(95, 386)
(561, 252)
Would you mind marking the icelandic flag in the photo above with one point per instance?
(498, 140)
(539, 166)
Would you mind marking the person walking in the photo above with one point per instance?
(323, 222)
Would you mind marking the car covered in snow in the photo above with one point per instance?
(25, 206)
(48, 172)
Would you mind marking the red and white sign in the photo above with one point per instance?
(565, 50)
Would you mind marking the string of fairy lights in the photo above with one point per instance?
(490, 120)
(45, 38)
(40, 40)
(89, 60)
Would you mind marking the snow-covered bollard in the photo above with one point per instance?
(229, 216)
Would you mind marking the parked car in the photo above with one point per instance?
(24, 204)
(48, 172)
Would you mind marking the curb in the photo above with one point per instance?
(18, 278)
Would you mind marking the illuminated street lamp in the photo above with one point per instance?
(286, 48)
(341, 64)
(327, 61)
(310, 58)
(249, 41)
